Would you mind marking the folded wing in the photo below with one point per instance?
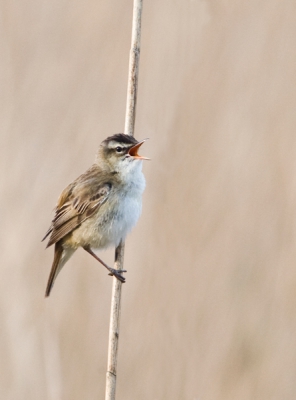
(78, 202)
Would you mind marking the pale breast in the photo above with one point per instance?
(115, 218)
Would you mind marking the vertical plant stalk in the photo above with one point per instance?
(130, 117)
(133, 72)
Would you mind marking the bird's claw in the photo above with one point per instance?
(117, 274)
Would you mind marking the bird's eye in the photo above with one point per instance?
(118, 149)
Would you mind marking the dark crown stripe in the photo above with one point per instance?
(121, 138)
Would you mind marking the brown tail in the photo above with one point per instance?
(55, 269)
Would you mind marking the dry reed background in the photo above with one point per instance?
(209, 307)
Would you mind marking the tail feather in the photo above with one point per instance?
(56, 267)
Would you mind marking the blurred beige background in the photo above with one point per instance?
(209, 307)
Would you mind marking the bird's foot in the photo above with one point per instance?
(117, 274)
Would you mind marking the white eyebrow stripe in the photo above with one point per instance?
(113, 145)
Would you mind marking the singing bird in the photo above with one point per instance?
(101, 206)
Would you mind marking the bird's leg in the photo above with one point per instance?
(112, 271)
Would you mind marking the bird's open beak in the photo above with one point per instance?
(134, 151)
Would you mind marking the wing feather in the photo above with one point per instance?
(67, 227)
(78, 202)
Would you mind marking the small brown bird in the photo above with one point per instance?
(101, 206)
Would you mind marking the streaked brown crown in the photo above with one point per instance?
(121, 138)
